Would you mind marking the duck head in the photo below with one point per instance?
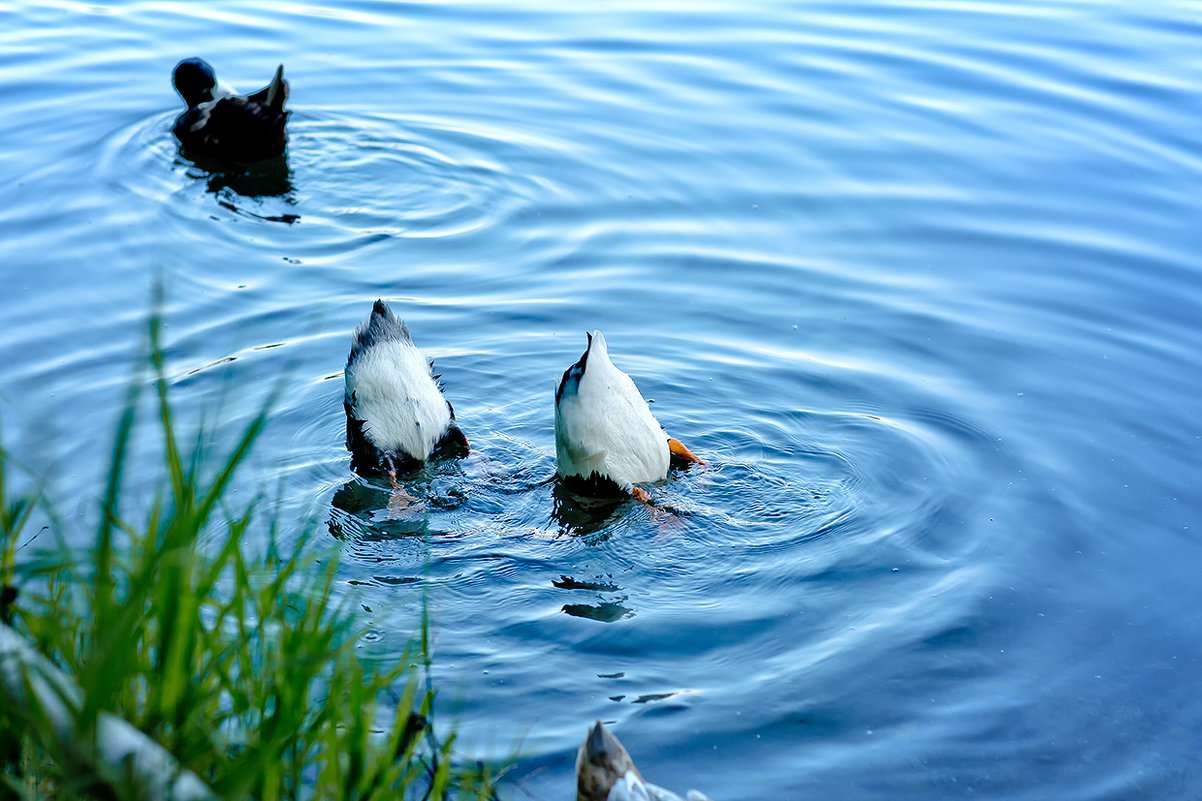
(195, 81)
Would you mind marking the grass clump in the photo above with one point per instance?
(242, 668)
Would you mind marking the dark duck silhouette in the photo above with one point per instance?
(396, 415)
(221, 125)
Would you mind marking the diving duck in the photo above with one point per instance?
(221, 125)
(396, 415)
(606, 438)
(605, 772)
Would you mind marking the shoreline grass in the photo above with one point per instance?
(242, 668)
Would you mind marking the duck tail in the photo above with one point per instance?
(601, 762)
(277, 92)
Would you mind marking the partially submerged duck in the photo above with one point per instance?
(606, 439)
(396, 415)
(605, 772)
(221, 125)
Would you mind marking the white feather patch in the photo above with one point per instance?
(204, 110)
(631, 788)
(607, 427)
(395, 394)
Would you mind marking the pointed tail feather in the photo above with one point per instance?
(601, 762)
(277, 92)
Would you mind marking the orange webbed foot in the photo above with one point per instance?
(656, 511)
(677, 447)
(400, 499)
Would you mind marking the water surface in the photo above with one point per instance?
(918, 280)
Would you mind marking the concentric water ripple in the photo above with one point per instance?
(377, 179)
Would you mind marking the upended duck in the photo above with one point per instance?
(221, 125)
(396, 415)
(606, 439)
(605, 772)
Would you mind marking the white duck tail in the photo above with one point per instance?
(603, 427)
(396, 415)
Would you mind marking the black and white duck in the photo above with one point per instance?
(606, 439)
(222, 125)
(605, 772)
(396, 415)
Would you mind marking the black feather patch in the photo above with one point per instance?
(570, 381)
(595, 486)
(381, 326)
(366, 458)
(452, 445)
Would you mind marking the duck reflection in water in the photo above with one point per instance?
(585, 516)
(361, 512)
(368, 509)
(263, 179)
(606, 610)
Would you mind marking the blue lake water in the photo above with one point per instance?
(919, 280)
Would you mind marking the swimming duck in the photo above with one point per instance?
(606, 438)
(221, 125)
(605, 772)
(396, 415)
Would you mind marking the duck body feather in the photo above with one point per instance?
(632, 787)
(605, 772)
(221, 125)
(396, 415)
(606, 438)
